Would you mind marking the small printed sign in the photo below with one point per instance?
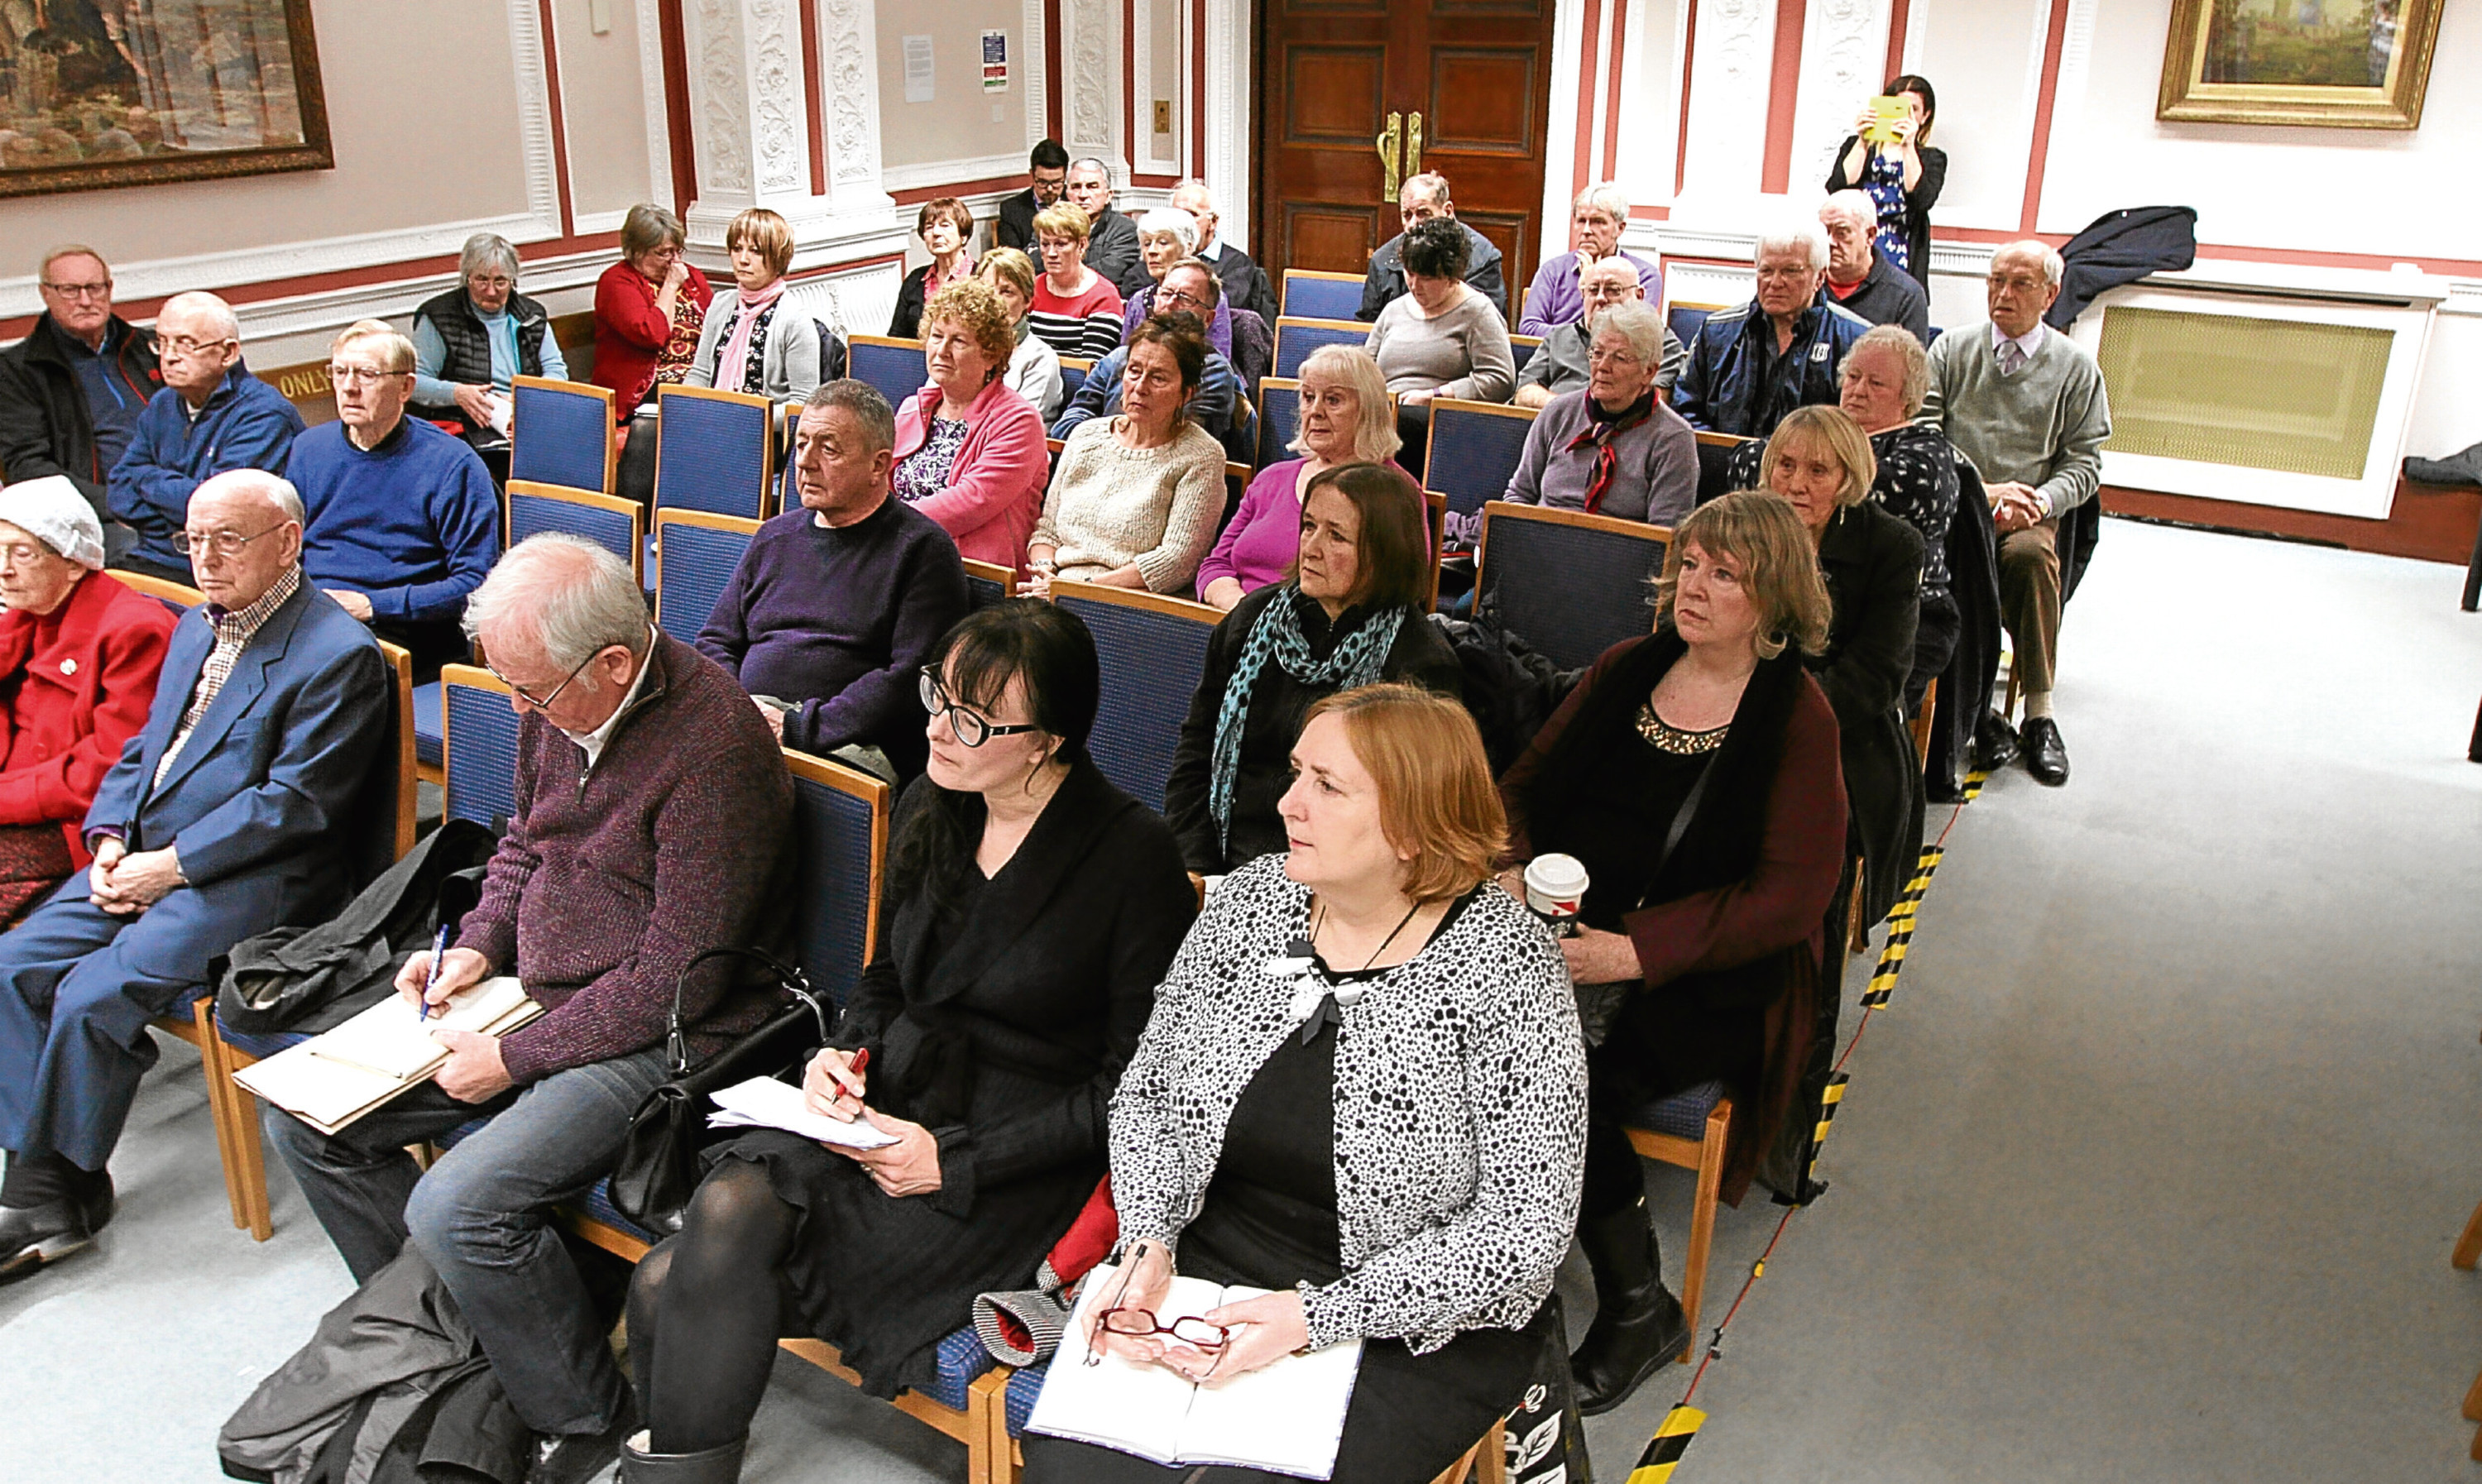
(995, 62)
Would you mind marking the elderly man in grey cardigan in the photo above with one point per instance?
(1612, 447)
(652, 821)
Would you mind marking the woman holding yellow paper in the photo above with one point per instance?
(1894, 162)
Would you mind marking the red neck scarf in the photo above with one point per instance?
(1603, 429)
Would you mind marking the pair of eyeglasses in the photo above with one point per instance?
(223, 544)
(1134, 1323)
(188, 345)
(542, 703)
(970, 726)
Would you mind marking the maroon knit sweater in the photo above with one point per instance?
(608, 882)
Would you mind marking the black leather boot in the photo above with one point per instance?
(721, 1465)
(1638, 1324)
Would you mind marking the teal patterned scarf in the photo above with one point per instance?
(1355, 661)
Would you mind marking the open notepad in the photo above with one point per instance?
(334, 1078)
(1288, 1417)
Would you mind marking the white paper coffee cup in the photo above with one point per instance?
(1555, 885)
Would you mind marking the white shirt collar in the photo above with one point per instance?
(2030, 342)
(592, 743)
(1212, 251)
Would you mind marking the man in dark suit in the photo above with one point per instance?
(1424, 197)
(241, 806)
(1245, 283)
(1112, 239)
(1046, 175)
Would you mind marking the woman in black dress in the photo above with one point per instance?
(1352, 614)
(1902, 178)
(1364, 1090)
(1031, 908)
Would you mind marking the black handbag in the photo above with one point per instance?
(659, 1168)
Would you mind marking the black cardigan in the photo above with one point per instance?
(1917, 201)
(1419, 656)
(1873, 562)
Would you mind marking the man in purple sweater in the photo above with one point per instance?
(837, 605)
(652, 823)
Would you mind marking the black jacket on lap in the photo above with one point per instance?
(1873, 562)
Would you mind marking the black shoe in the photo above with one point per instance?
(2047, 757)
(1638, 1325)
(573, 1458)
(1995, 742)
(34, 1237)
(719, 1465)
(95, 1198)
(1942, 790)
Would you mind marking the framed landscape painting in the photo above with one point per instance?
(2326, 63)
(98, 94)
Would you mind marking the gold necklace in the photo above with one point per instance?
(1664, 737)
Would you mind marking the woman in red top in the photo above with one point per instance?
(1076, 310)
(648, 309)
(79, 653)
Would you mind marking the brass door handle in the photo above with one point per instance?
(1388, 141)
(1414, 146)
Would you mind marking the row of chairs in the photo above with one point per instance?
(714, 450)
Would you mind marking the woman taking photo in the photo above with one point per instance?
(969, 451)
(1034, 367)
(945, 224)
(1441, 338)
(1313, 1109)
(753, 341)
(1902, 178)
(1134, 499)
(1343, 418)
(1076, 310)
(648, 309)
(1693, 773)
(1032, 909)
(1352, 616)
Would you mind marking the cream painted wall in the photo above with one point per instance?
(963, 123)
(605, 111)
(1649, 116)
(1985, 58)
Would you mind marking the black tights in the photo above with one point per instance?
(707, 1310)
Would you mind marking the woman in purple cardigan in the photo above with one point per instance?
(969, 451)
(1345, 419)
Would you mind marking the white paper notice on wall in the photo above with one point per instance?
(996, 69)
(918, 70)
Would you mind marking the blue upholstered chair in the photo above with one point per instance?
(1569, 584)
(1687, 319)
(561, 434)
(616, 525)
(1522, 347)
(1296, 338)
(695, 557)
(1073, 371)
(894, 366)
(987, 583)
(1474, 450)
(1280, 417)
(1320, 296)
(840, 838)
(1153, 650)
(480, 746)
(714, 451)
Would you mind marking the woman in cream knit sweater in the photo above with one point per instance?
(1135, 499)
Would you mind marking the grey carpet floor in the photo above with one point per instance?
(2150, 1172)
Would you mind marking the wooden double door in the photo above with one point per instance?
(1353, 96)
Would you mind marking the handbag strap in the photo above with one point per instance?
(1681, 818)
(788, 977)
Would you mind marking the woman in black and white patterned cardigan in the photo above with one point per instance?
(1362, 1088)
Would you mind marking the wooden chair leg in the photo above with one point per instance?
(2473, 1401)
(250, 1161)
(2469, 1246)
(1491, 1467)
(2476, 1452)
(220, 1109)
(1858, 938)
(1701, 1220)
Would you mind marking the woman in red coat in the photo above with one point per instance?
(649, 310)
(78, 658)
(1695, 775)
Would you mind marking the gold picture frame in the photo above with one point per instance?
(2306, 64)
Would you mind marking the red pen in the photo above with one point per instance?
(861, 1063)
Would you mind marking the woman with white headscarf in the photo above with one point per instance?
(79, 653)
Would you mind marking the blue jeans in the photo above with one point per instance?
(482, 1216)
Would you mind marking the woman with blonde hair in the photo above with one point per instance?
(752, 341)
(1076, 310)
(1694, 774)
(1344, 418)
(1034, 366)
(1363, 1090)
(969, 451)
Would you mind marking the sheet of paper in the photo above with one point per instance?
(918, 74)
(393, 1039)
(1288, 1417)
(764, 1102)
(1116, 1403)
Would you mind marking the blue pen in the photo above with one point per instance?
(431, 970)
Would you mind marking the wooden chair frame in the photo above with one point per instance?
(604, 394)
(1706, 1157)
(478, 679)
(671, 516)
(881, 796)
(1436, 509)
(163, 590)
(1133, 597)
(1505, 510)
(1285, 290)
(610, 503)
(992, 571)
(767, 470)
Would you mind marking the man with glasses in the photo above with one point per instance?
(1191, 288)
(1754, 363)
(2026, 404)
(835, 604)
(1559, 364)
(253, 799)
(1595, 220)
(404, 523)
(651, 825)
(70, 393)
(1422, 198)
(1047, 179)
(211, 417)
(470, 343)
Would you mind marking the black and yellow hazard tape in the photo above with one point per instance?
(1900, 930)
(1829, 1099)
(1663, 1451)
(1973, 783)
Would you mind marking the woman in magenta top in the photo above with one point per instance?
(1076, 310)
(969, 451)
(1345, 419)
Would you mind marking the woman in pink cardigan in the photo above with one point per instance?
(969, 451)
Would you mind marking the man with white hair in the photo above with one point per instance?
(1859, 277)
(652, 827)
(1594, 223)
(70, 393)
(1560, 363)
(1754, 363)
(1420, 198)
(2026, 404)
(1111, 238)
(1245, 283)
(212, 416)
(252, 799)
(470, 341)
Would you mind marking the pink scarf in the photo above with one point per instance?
(733, 364)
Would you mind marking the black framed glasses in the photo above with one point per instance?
(223, 544)
(970, 726)
(542, 703)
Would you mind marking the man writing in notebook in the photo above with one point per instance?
(652, 816)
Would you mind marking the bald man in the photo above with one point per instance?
(211, 417)
(1858, 275)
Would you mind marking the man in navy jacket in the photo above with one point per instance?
(1753, 363)
(248, 802)
(212, 416)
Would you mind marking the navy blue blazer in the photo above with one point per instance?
(272, 800)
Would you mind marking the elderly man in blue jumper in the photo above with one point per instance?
(211, 417)
(404, 523)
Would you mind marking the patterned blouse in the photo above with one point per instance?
(680, 347)
(926, 471)
(753, 367)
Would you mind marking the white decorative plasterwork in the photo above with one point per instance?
(848, 65)
(1226, 169)
(720, 98)
(1091, 44)
(777, 112)
(650, 84)
(1031, 72)
(1727, 99)
(1844, 43)
(534, 112)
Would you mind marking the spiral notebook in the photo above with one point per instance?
(1286, 1417)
